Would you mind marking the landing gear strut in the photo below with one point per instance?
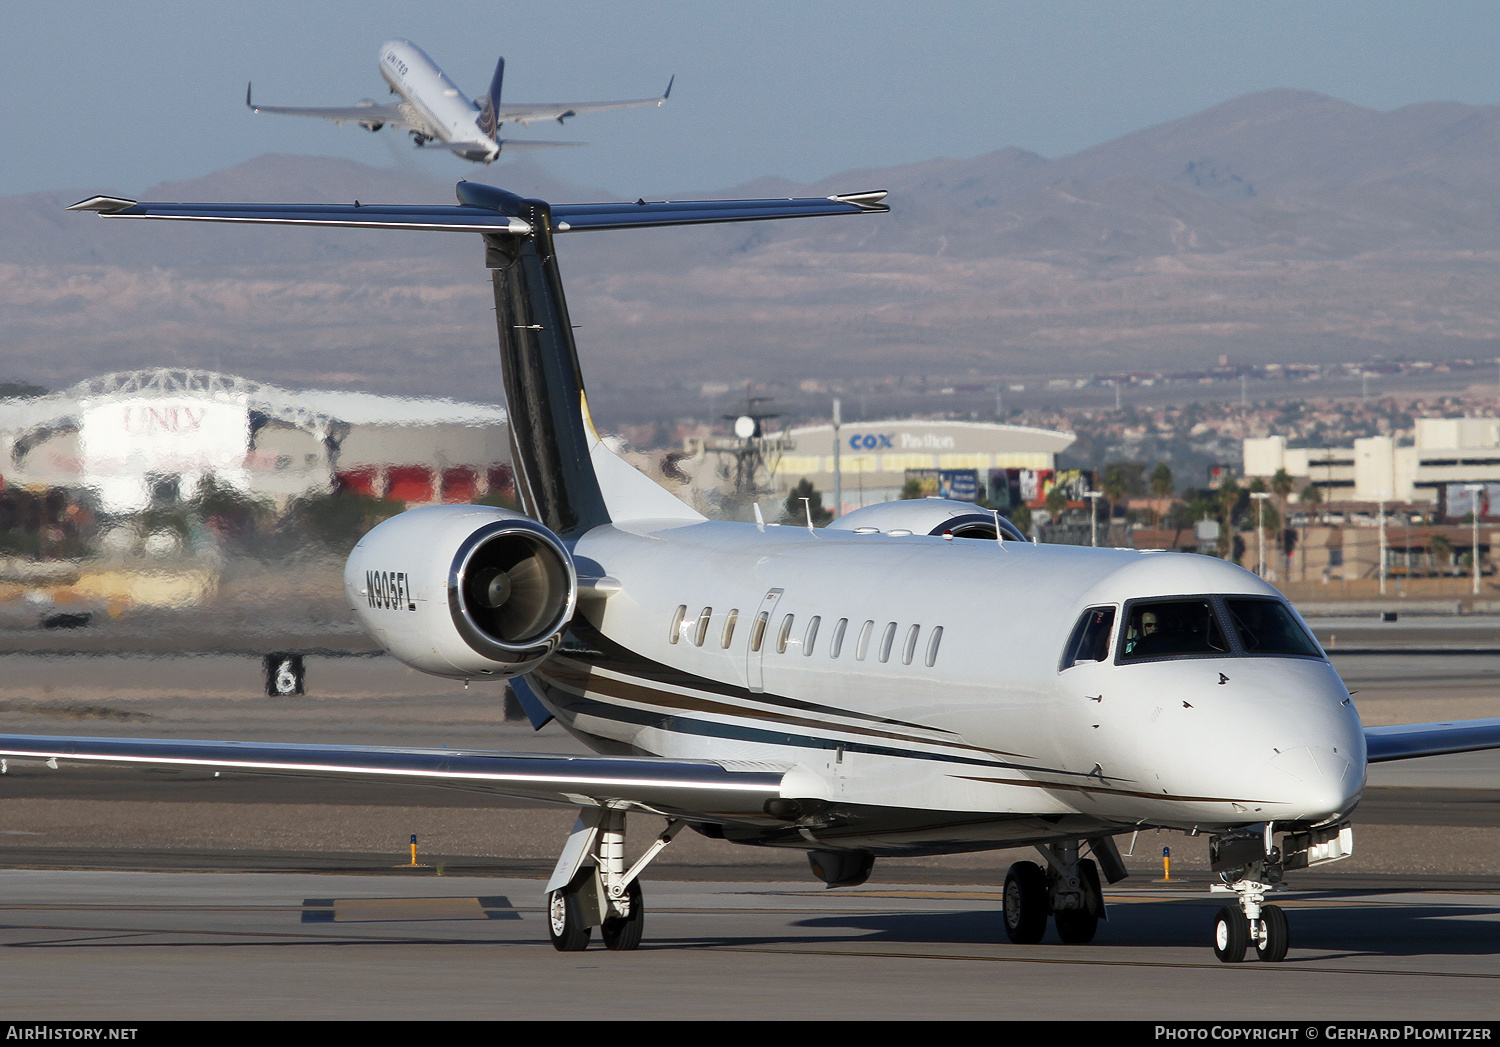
(1250, 865)
(592, 888)
(1068, 890)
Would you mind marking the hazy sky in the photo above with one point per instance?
(122, 96)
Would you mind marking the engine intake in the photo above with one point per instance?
(511, 588)
(463, 590)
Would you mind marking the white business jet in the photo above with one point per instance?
(914, 679)
(440, 116)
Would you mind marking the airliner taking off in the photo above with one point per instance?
(913, 679)
(440, 116)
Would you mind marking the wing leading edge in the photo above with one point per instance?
(701, 787)
(1409, 741)
(366, 113)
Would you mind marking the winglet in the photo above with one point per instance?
(249, 104)
(668, 92)
(103, 204)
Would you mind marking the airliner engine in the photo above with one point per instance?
(463, 590)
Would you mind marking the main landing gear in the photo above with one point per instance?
(1068, 890)
(1250, 865)
(592, 888)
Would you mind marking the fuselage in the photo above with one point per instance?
(907, 674)
(444, 111)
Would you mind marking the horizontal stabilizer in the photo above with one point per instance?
(484, 211)
(1410, 740)
(578, 217)
(643, 782)
(443, 218)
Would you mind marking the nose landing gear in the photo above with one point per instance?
(1250, 865)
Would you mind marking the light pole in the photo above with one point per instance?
(1260, 533)
(1474, 491)
(838, 471)
(1382, 548)
(1093, 497)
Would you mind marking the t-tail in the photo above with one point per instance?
(565, 477)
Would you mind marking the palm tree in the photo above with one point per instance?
(1281, 487)
(1312, 497)
(1161, 487)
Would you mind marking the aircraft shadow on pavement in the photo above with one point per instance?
(1401, 930)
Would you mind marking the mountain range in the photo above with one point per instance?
(1281, 226)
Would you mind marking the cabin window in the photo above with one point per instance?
(862, 648)
(837, 643)
(701, 633)
(932, 646)
(1090, 639)
(758, 633)
(1172, 629)
(677, 618)
(909, 650)
(784, 634)
(1268, 627)
(886, 640)
(812, 635)
(729, 621)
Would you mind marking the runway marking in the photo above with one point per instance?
(377, 910)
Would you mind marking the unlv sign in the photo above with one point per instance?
(151, 420)
(124, 443)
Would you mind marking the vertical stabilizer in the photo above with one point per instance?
(489, 107)
(543, 387)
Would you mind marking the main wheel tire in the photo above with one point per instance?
(623, 933)
(1231, 934)
(565, 921)
(1025, 903)
(1076, 926)
(1275, 936)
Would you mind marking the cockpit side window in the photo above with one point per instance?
(1172, 629)
(1268, 627)
(1090, 639)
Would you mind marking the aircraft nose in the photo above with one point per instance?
(1324, 779)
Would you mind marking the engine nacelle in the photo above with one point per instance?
(928, 516)
(463, 590)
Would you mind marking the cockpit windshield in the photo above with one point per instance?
(1171, 628)
(1209, 626)
(1267, 627)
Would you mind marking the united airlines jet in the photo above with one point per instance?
(440, 116)
(914, 679)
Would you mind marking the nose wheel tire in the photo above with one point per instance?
(1025, 903)
(623, 933)
(1231, 934)
(1274, 934)
(565, 922)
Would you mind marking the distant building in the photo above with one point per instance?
(877, 459)
(142, 438)
(1445, 456)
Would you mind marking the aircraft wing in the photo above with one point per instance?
(492, 218)
(560, 111)
(701, 787)
(363, 113)
(1408, 741)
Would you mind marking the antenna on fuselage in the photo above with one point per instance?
(760, 521)
(998, 540)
